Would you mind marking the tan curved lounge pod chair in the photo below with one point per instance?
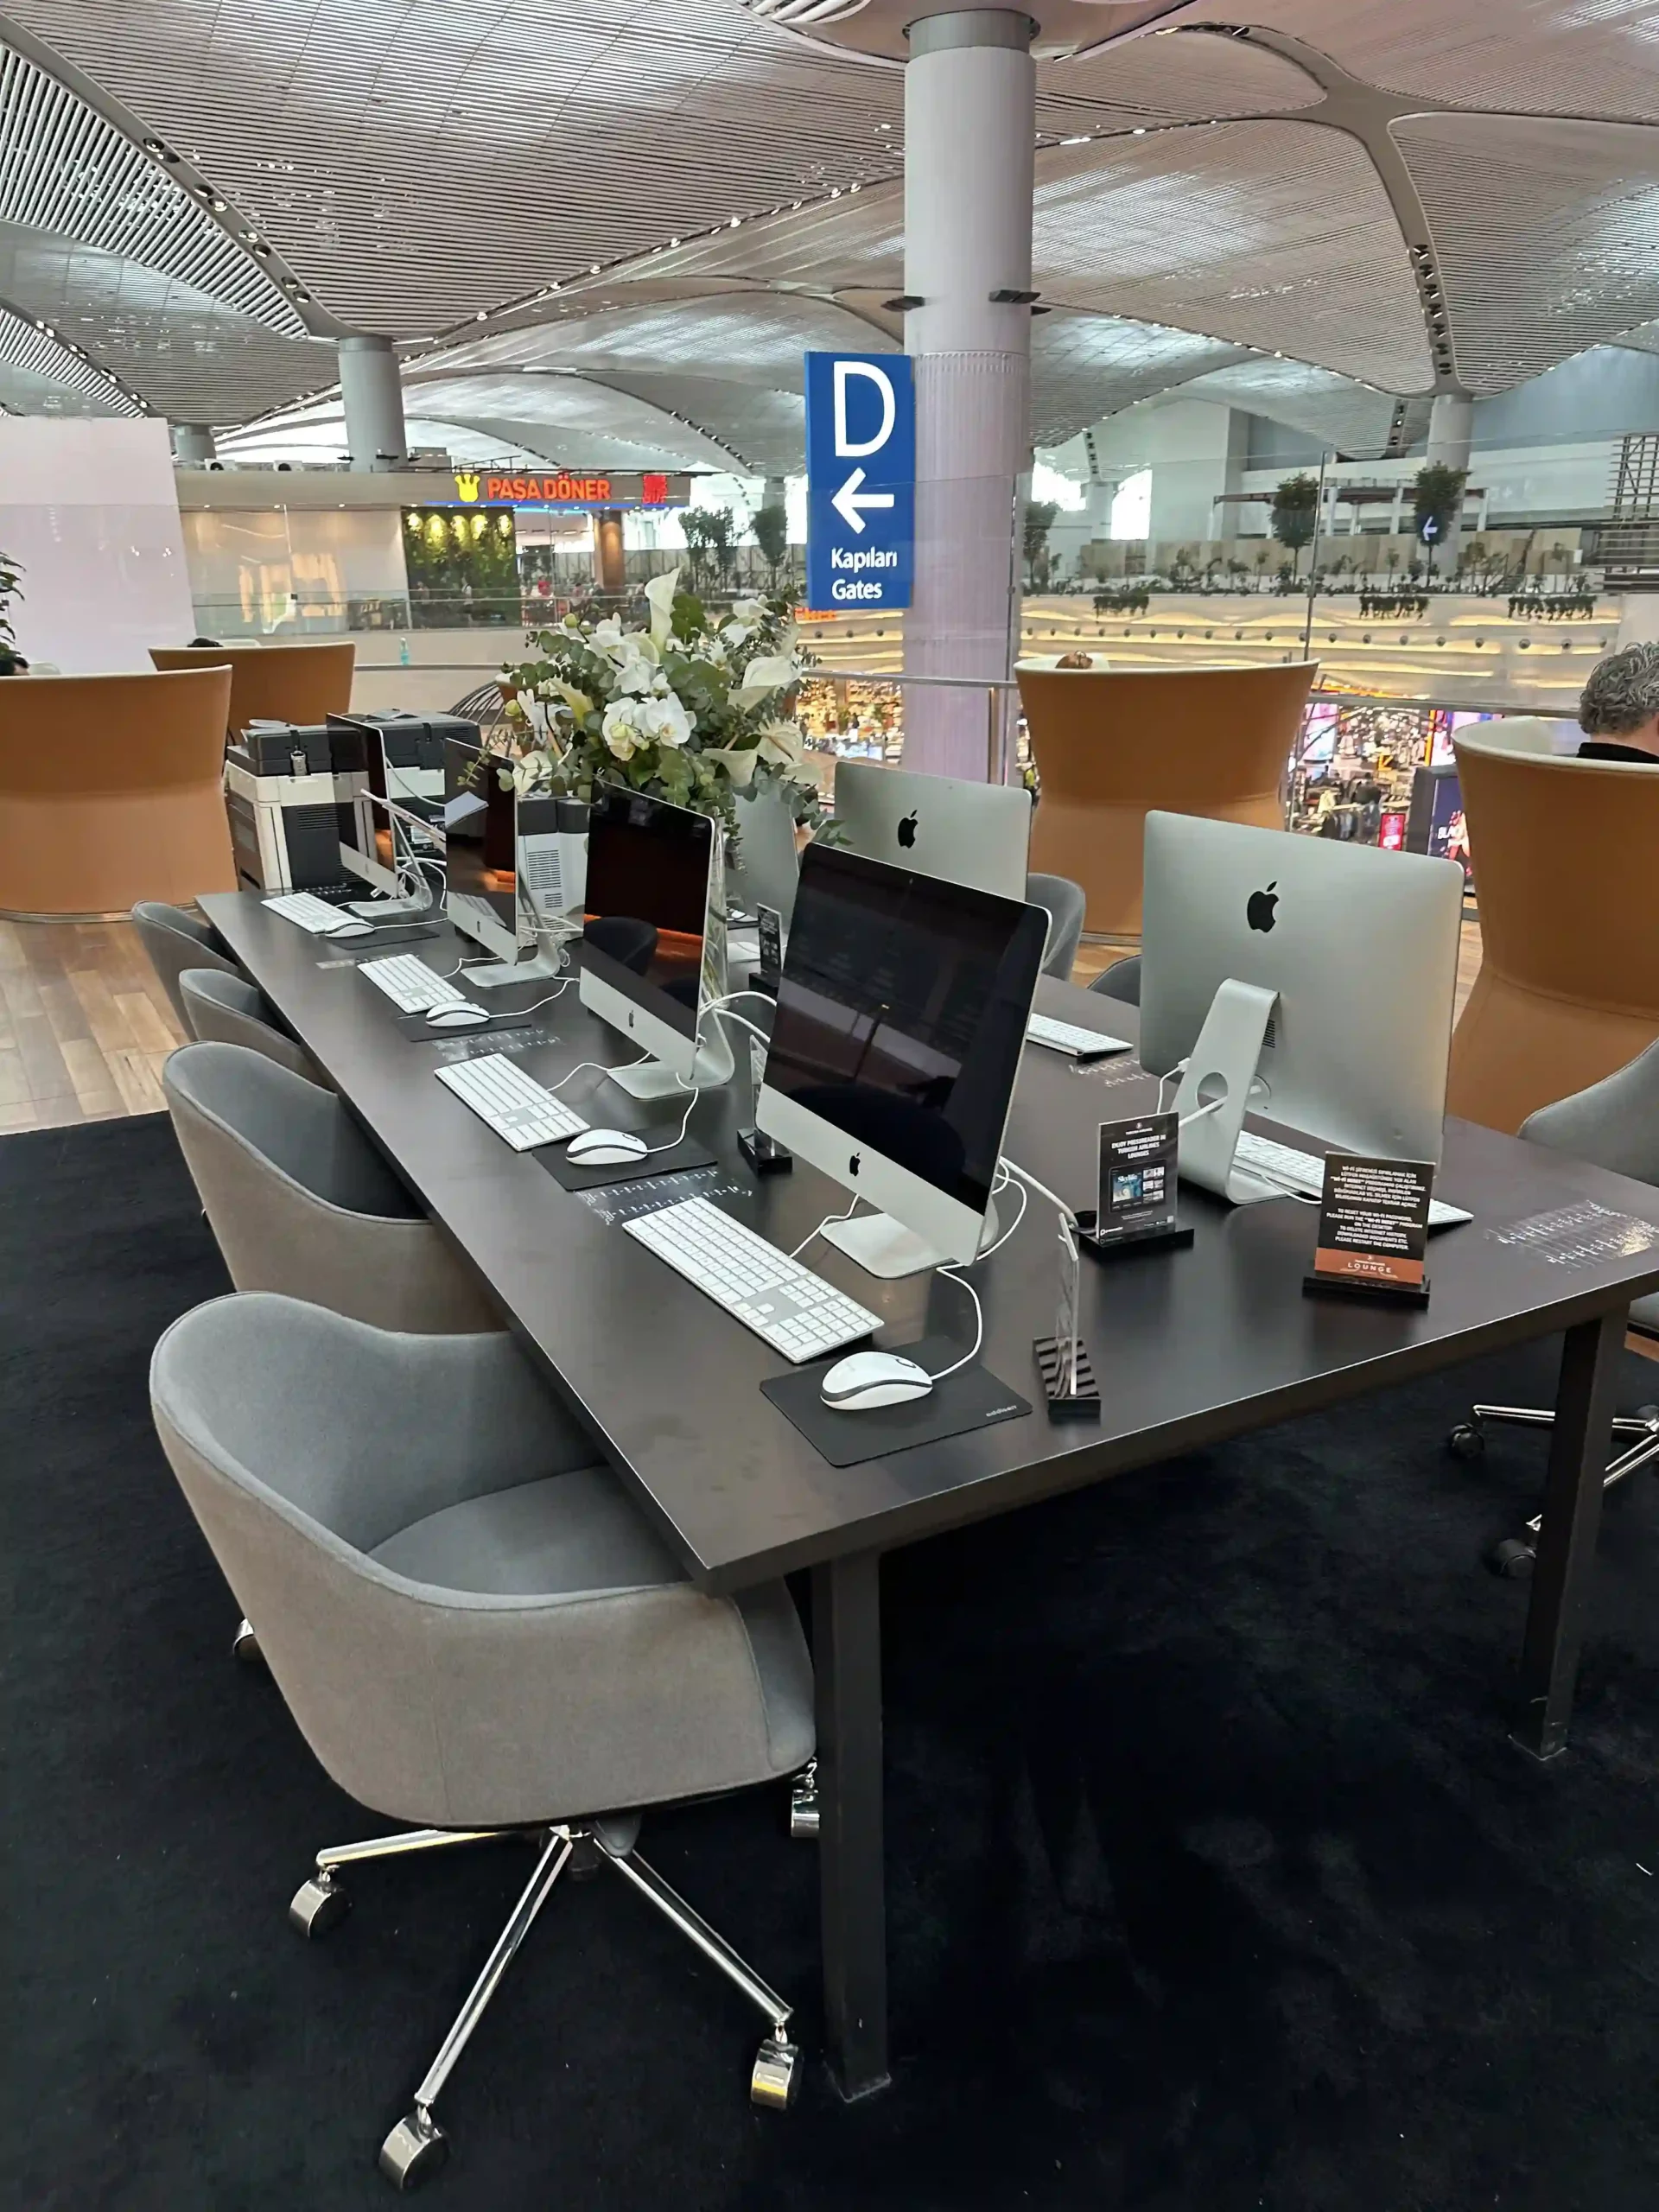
(110, 791)
(1566, 855)
(275, 684)
(1110, 744)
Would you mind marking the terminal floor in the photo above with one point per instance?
(84, 1026)
(1214, 1884)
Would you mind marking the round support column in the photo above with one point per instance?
(373, 398)
(610, 564)
(970, 134)
(193, 444)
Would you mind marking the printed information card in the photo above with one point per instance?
(1137, 1177)
(1374, 1224)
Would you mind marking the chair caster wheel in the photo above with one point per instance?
(318, 1905)
(414, 2150)
(775, 2076)
(803, 1809)
(1512, 1559)
(244, 1646)
(1467, 1441)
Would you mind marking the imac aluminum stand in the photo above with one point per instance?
(1223, 1068)
(884, 1248)
(647, 1079)
(544, 966)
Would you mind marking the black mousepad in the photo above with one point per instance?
(674, 1162)
(972, 1398)
(417, 1026)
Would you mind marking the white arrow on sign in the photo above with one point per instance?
(848, 501)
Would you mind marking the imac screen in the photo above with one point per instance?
(901, 1014)
(646, 906)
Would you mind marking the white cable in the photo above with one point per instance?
(603, 1067)
(1042, 1190)
(1025, 1200)
(972, 1353)
(1198, 1112)
(821, 1226)
(678, 1138)
(536, 1004)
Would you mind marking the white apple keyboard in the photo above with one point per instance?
(410, 983)
(514, 1104)
(1303, 1173)
(311, 913)
(1066, 1037)
(788, 1307)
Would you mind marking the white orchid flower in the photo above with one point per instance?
(606, 634)
(665, 720)
(782, 743)
(767, 673)
(748, 610)
(736, 633)
(659, 594)
(738, 766)
(619, 730)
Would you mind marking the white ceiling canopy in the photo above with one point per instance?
(40, 375)
(663, 206)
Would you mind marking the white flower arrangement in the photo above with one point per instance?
(689, 709)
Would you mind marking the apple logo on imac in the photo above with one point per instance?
(853, 1165)
(1258, 910)
(907, 831)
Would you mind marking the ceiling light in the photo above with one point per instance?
(1082, 140)
(1138, 131)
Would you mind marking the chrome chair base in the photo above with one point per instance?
(803, 1805)
(1514, 1556)
(244, 1645)
(417, 2146)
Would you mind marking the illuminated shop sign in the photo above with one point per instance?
(566, 487)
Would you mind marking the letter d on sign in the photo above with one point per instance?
(850, 449)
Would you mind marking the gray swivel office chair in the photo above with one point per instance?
(227, 1009)
(176, 941)
(1065, 904)
(473, 1628)
(1614, 1124)
(1122, 980)
(300, 1202)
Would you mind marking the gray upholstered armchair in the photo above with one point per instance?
(225, 1010)
(174, 941)
(471, 1624)
(301, 1201)
(1614, 1124)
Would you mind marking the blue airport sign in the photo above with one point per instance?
(860, 481)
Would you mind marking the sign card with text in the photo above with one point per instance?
(1374, 1224)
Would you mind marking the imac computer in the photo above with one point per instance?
(976, 834)
(653, 946)
(901, 1019)
(483, 819)
(403, 761)
(1312, 981)
(768, 863)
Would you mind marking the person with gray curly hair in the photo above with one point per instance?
(1619, 707)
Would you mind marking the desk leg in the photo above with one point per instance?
(1566, 1539)
(847, 1659)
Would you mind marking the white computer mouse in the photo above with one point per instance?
(605, 1148)
(865, 1380)
(459, 1014)
(350, 929)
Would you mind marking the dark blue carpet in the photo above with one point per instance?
(1215, 1886)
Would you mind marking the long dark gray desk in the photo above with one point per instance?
(1190, 1347)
